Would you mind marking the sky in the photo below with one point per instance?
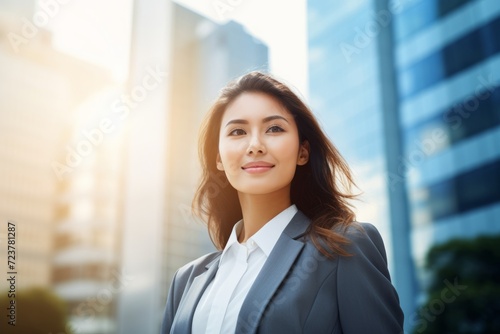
(95, 30)
(99, 31)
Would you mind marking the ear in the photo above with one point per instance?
(219, 163)
(303, 156)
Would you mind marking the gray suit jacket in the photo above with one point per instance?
(299, 290)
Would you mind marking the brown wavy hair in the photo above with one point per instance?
(321, 188)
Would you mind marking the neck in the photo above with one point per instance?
(259, 209)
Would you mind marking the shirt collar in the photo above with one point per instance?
(267, 237)
(233, 238)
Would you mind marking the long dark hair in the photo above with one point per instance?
(320, 188)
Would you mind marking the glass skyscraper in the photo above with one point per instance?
(408, 91)
(448, 63)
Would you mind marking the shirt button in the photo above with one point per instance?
(252, 243)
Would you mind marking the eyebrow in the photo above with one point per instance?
(264, 120)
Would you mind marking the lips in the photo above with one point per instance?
(257, 166)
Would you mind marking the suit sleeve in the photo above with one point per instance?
(173, 300)
(367, 300)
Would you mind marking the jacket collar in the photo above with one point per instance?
(275, 269)
(184, 315)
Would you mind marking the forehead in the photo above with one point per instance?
(251, 105)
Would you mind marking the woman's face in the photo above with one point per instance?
(259, 147)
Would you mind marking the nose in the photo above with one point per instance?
(256, 146)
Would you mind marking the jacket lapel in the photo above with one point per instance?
(184, 317)
(272, 274)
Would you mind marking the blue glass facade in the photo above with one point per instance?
(448, 87)
(410, 93)
(455, 57)
(450, 116)
(420, 14)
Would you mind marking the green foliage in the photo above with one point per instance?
(37, 311)
(464, 291)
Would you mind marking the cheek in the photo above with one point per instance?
(291, 164)
(287, 150)
(230, 154)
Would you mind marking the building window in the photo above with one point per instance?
(100, 272)
(455, 57)
(465, 192)
(462, 121)
(418, 15)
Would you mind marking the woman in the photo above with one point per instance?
(291, 259)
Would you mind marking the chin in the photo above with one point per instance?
(260, 189)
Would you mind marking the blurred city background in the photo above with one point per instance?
(100, 106)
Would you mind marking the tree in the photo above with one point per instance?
(464, 289)
(37, 310)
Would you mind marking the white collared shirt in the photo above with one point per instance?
(239, 265)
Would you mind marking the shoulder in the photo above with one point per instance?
(181, 282)
(366, 262)
(364, 287)
(185, 275)
(194, 268)
(202, 261)
(366, 240)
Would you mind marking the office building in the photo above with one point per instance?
(40, 90)
(87, 237)
(60, 179)
(447, 56)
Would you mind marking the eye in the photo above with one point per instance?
(275, 128)
(237, 132)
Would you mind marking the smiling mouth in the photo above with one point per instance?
(257, 167)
